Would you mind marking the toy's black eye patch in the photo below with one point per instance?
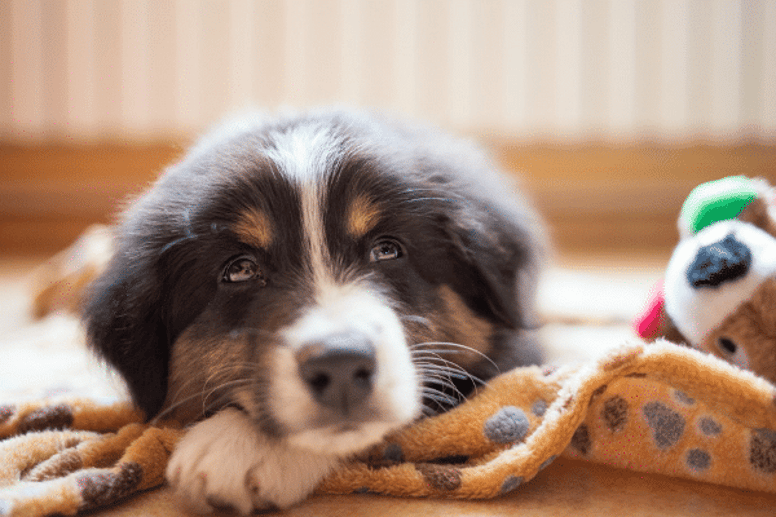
(721, 261)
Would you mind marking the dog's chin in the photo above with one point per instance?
(344, 439)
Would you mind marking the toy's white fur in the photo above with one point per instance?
(696, 312)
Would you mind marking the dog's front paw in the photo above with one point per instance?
(224, 461)
(213, 465)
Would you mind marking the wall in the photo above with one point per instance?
(78, 70)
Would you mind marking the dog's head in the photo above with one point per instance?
(321, 271)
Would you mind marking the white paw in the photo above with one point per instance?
(211, 465)
(224, 461)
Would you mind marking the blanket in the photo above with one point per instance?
(656, 408)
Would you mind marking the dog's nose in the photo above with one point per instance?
(339, 369)
(719, 262)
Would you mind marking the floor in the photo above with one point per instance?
(588, 303)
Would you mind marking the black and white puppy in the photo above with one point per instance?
(299, 286)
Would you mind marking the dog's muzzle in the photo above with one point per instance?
(339, 370)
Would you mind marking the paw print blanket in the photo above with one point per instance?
(655, 408)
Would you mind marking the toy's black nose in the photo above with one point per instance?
(339, 369)
(719, 262)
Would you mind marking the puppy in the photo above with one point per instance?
(297, 287)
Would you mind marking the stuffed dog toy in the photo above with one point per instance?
(719, 293)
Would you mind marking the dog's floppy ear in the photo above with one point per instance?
(124, 326)
(501, 257)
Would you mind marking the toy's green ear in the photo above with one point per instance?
(715, 201)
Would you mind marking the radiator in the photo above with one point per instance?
(81, 70)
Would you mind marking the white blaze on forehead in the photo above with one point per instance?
(306, 154)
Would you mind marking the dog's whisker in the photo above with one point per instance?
(445, 376)
(435, 352)
(441, 382)
(444, 383)
(439, 373)
(224, 371)
(447, 371)
(428, 412)
(205, 393)
(190, 235)
(439, 361)
(434, 358)
(220, 388)
(440, 397)
(162, 414)
(460, 347)
(436, 365)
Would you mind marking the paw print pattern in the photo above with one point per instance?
(762, 451)
(666, 424)
(511, 483)
(698, 459)
(581, 439)
(615, 413)
(509, 425)
(637, 419)
(539, 408)
(709, 427)
(441, 477)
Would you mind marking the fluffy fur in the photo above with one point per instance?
(299, 286)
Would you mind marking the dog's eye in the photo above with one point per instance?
(241, 270)
(386, 249)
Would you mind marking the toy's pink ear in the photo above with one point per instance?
(652, 321)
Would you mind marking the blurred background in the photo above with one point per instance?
(612, 110)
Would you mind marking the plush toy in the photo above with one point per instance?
(719, 292)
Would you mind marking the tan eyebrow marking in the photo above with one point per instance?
(254, 228)
(363, 215)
